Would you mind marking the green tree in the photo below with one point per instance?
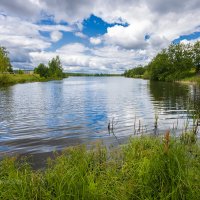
(42, 70)
(159, 67)
(20, 71)
(5, 65)
(135, 72)
(10, 69)
(196, 55)
(180, 57)
(171, 64)
(55, 68)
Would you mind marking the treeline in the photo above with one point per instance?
(137, 72)
(176, 62)
(86, 74)
(53, 70)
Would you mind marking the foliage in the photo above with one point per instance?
(42, 70)
(54, 69)
(145, 168)
(5, 65)
(177, 62)
(196, 55)
(135, 72)
(171, 64)
(20, 71)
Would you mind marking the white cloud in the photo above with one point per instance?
(190, 41)
(56, 36)
(108, 59)
(28, 10)
(121, 47)
(95, 41)
(81, 35)
(21, 37)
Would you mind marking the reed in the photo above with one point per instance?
(11, 79)
(145, 168)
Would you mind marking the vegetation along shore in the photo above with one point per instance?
(8, 76)
(178, 62)
(146, 168)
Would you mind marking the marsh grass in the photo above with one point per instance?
(192, 78)
(11, 79)
(142, 169)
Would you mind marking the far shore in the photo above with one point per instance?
(11, 79)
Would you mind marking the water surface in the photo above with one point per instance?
(38, 118)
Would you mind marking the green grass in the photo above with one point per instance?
(145, 168)
(11, 79)
(195, 79)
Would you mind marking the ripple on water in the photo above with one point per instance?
(37, 118)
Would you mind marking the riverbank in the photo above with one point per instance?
(93, 75)
(145, 168)
(195, 79)
(11, 79)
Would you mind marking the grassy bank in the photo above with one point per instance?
(145, 168)
(11, 79)
(192, 79)
(189, 79)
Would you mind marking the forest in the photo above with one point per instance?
(176, 62)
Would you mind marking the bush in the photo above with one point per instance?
(54, 69)
(135, 72)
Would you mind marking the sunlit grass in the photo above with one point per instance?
(192, 77)
(142, 169)
(11, 79)
(6, 79)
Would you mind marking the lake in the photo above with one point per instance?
(38, 118)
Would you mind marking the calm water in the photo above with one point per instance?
(38, 118)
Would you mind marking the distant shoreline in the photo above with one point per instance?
(12, 79)
(87, 74)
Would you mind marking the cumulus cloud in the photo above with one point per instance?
(95, 41)
(29, 9)
(21, 37)
(107, 59)
(80, 34)
(121, 46)
(56, 36)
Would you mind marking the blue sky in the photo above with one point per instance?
(93, 26)
(189, 37)
(95, 37)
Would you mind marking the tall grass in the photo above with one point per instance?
(10, 79)
(194, 78)
(145, 168)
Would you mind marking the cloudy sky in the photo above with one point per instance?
(94, 35)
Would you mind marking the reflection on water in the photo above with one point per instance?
(38, 118)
